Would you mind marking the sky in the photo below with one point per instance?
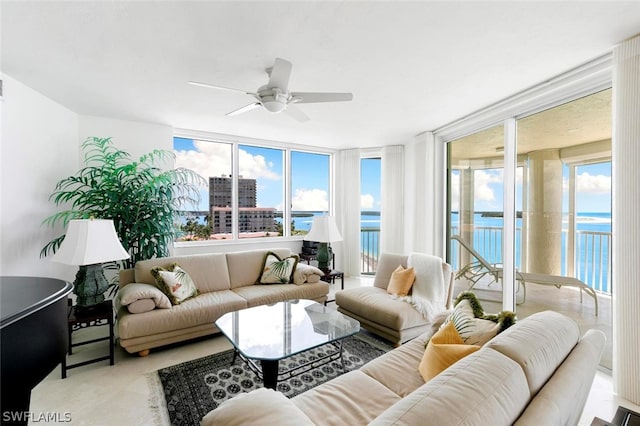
(309, 173)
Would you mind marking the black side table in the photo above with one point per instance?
(330, 277)
(94, 316)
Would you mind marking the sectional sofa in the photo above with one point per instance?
(225, 282)
(537, 372)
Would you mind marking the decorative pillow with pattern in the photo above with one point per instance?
(175, 283)
(474, 327)
(276, 270)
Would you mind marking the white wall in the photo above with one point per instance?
(39, 147)
(137, 138)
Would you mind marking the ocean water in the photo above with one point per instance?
(592, 253)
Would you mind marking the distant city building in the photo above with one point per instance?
(251, 218)
(220, 190)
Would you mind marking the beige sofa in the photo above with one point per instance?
(225, 281)
(395, 320)
(537, 372)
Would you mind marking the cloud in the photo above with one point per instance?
(482, 184)
(366, 201)
(310, 199)
(211, 159)
(593, 184)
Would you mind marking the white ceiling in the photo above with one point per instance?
(412, 66)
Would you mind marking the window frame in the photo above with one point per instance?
(287, 148)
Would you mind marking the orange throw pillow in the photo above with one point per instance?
(445, 348)
(401, 281)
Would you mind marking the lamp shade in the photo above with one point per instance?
(90, 241)
(324, 230)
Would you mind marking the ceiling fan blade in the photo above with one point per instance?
(296, 113)
(279, 75)
(244, 109)
(213, 86)
(311, 97)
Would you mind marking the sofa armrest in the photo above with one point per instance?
(261, 406)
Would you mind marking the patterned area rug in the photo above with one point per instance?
(194, 388)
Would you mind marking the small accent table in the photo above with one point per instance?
(94, 316)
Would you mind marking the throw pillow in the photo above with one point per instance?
(306, 274)
(276, 270)
(444, 349)
(141, 306)
(401, 281)
(175, 283)
(133, 292)
(474, 327)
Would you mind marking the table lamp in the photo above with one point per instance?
(324, 230)
(89, 243)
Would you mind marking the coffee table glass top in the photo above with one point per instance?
(277, 331)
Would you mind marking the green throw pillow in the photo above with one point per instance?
(175, 283)
(276, 270)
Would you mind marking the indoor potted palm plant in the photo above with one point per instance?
(142, 199)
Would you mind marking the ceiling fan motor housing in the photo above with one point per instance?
(274, 99)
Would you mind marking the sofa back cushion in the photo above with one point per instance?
(208, 271)
(387, 263)
(245, 267)
(539, 344)
(562, 399)
(484, 388)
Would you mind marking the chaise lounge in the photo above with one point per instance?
(475, 271)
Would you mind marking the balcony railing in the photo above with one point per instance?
(592, 254)
(370, 250)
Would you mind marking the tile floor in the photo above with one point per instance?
(100, 394)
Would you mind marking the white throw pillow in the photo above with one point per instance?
(133, 292)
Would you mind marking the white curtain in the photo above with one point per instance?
(347, 212)
(626, 221)
(425, 196)
(392, 193)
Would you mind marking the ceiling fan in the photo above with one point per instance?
(275, 95)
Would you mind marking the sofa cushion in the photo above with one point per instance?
(208, 271)
(244, 267)
(398, 369)
(401, 281)
(351, 399)
(444, 349)
(277, 270)
(261, 406)
(378, 306)
(200, 310)
(262, 294)
(387, 263)
(569, 386)
(484, 388)
(539, 344)
(175, 282)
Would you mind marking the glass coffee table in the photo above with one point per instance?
(269, 333)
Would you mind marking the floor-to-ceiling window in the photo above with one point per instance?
(476, 206)
(370, 171)
(562, 192)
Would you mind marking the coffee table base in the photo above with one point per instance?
(269, 373)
